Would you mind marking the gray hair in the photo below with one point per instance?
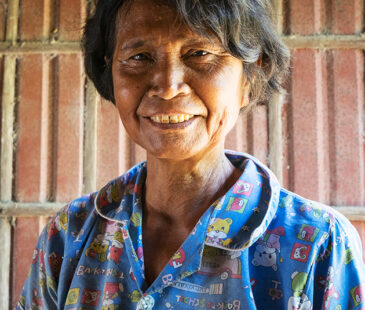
(244, 27)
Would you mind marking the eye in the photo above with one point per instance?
(199, 53)
(140, 57)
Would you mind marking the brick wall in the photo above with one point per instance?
(51, 117)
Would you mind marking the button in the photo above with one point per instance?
(146, 303)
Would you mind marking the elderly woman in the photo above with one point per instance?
(195, 226)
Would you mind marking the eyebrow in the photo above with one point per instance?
(137, 43)
(133, 44)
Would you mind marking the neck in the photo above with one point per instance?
(180, 191)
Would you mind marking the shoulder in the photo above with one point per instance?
(81, 214)
(329, 231)
(304, 211)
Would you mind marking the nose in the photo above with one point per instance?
(168, 80)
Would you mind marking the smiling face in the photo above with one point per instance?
(177, 92)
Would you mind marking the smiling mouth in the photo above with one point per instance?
(171, 119)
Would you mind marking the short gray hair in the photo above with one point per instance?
(244, 27)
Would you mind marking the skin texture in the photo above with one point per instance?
(161, 67)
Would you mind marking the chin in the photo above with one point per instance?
(173, 152)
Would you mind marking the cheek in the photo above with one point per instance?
(127, 94)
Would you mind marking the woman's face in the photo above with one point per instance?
(177, 92)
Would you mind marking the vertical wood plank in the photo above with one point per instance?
(275, 110)
(7, 128)
(276, 136)
(90, 132)
(5, 246)
(7, 141)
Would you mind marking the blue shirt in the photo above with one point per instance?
(257, 247)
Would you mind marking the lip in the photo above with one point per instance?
(181, 125)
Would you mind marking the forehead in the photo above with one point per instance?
(152, 18)
(145, 13)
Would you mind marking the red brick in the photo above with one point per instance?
(69, 126)
(347, 16)
(258, 133)
(112, 151)
(237, 139)
(306, 16)
(30, 168)
(25, 237)
(347, 152)
(31, 19)
(71, 16)
(307, 117)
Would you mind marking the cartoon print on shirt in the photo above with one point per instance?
(146, 303)
(218, 262)
(275, 292)
(218, 230)
(348, 257)
(300, 252)
(310, 207)
(135, 296)
(221, 270)
(90, 297)
(136, 219)
(299, 300)
(111, 296)
(52, 228)
(177, 259)
(307, 233)
(286, 202)
(98, 248)
(358, 294)
(116, 248)
(236, 204)
(72, 296)
(265, 252)
(242, 188)
(41, 270)
(36, 301)
(265, 256)
(329, 289)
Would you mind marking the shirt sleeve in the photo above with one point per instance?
(339, 281)
(40, 288)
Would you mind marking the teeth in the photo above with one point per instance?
(173, 119)
(164, 119)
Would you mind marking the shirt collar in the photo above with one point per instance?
(243, 214)
(238, 218)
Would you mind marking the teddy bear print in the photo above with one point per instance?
(218, 230)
